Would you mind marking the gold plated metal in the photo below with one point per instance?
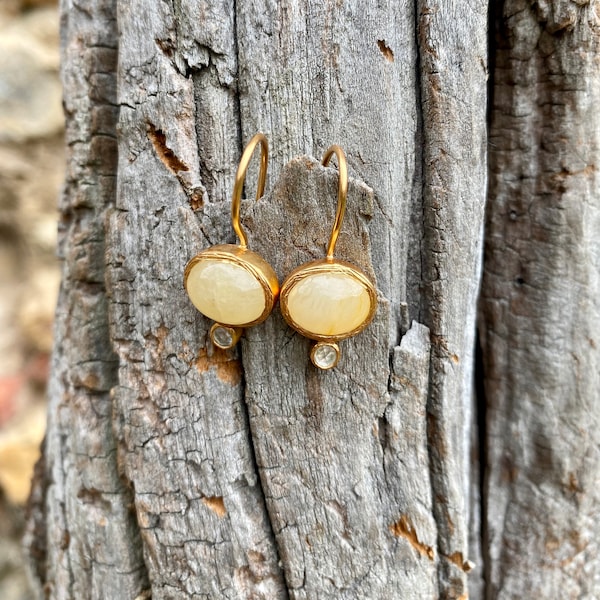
(230, 284)
(342, 195)
(240, 176)
(225, 337)
(328, 300)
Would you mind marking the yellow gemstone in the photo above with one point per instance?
(225, 292)
(329, 303)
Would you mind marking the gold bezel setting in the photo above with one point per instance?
(327, 266)
(234, 334)
(332, 347)
(251, 262)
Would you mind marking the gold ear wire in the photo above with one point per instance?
(240, 176)
(342, 194)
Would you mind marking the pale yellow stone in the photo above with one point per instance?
(225, 292)
(329, 303)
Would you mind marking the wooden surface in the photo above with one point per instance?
(179, 471)
(83, 538)
(540, 310)
(453, 60)
(337, 444)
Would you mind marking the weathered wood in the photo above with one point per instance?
(453, 60)
(417, 137)
(313, 74)
(252, 475)
(82, 538)
(180, 418)
(540, 310)
(348, 446)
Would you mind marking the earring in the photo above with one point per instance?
(329, 300)
(230, 284)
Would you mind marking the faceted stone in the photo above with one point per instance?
(225, 292)
(325, 356)
(222, 336)
(329, 303)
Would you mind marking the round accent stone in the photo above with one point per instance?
(225, 292)
(325, 355)
(329, 304)
(223, 337)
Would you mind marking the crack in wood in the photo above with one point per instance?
(385, 50)
(164, 153)
(216, 504)
(404, 528)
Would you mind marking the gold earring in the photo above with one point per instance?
(230, 284)
(328, 300)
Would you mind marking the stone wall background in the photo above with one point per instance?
(31, 173)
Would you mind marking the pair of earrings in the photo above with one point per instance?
(325, 300)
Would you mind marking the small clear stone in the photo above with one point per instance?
(325, 356)
(222, 337)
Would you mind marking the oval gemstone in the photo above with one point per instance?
(225, 292)
(329, 303)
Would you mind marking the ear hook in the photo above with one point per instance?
(240, 176)
(342, 194)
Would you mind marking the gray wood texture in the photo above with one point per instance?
(348, 446)
(174, 470)
(540, 310)
(83, 538)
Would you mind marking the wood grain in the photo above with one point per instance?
(540, 311)
(83, 539)
(248, 473)
(343, 445)
(184, 443)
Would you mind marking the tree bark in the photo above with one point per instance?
(175, 470)
(540, 311)
(83, 537)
